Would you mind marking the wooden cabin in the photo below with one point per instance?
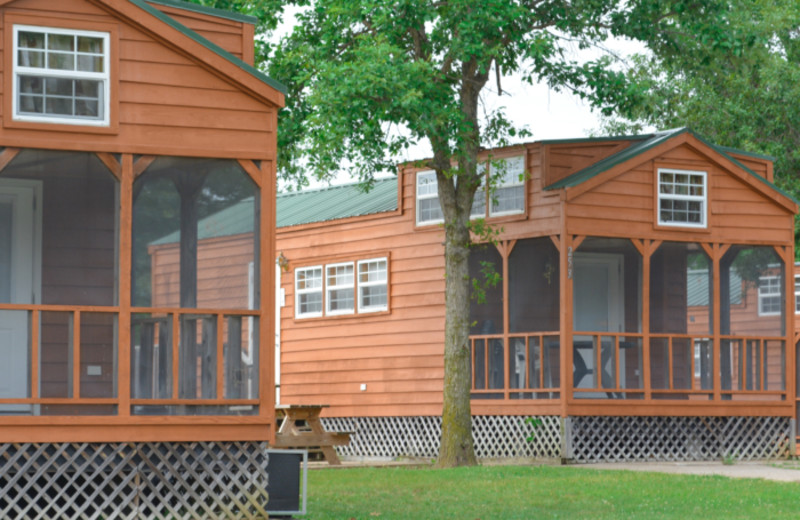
(122, 121)
(659, 261)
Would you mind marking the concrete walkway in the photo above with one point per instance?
(784, 471)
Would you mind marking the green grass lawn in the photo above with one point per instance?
(530, 492)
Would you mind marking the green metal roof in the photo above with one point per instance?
(142, 4)
(336, 202)
(302, 207)
(697, 292)
(213, 11)
(233, 220)
(646, 143)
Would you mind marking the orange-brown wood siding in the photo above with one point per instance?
(625, 206)
(398, 354)
(228, 34)
(564, 159)
(168, 104)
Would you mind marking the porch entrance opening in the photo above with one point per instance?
(18, 256)
(599, 307)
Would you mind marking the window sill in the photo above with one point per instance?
(341, 316)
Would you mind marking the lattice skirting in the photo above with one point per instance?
(204, 480)
(495, 436)
(594, 439)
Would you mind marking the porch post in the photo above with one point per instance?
(647, 252)
(125, 281)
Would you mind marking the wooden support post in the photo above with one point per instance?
(125, 288)
(716, 258)
(647, 253)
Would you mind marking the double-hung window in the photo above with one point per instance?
(308, 292)
(682, 198)
(769, 295)
(428, 209)
(61, 76)
(372, 285)
(508, 197)
(340, 294)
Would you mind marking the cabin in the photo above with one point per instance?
(123, 121)
(641, 311)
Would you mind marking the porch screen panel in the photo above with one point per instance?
(195, 246)
(533, 286)
(195, 235)
(681, 318)
(753, 323)
(486, 317)
(79, 233)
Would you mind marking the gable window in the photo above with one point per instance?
(308, 292)
(372, 287)
(769, 295)
(682, 198)
(61, 76)
(340, 298)
(428, 209)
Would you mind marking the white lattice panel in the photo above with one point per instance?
(208, 481)
(495, 436)
(593, 439)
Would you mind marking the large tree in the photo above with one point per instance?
(369, 78)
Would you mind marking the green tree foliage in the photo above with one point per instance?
(745, 96)
(369, 78)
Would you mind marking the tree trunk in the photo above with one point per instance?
(456, 444)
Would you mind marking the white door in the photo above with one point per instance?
(19, 246)
(598, 306)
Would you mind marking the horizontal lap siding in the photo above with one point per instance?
(398, 354)
(562, 160)
(223, 32)
(168, 103)
(625, 206)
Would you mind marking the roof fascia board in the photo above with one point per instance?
(188, 42)
(212, 11)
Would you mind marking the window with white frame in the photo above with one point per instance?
(682, 198)
(797, 294)
(769, 295)
(61, 76)
(372, 285)
(428, 209)
(330, 290)
(308, 292)
(508, 196)
(339, 292)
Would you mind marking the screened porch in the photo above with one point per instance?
(86, 330)
(647, 321)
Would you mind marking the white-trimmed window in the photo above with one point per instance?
(428, 209)
(682, 198)
(372, 285)
(479, 202)
(339, 293)
(61, 76)
(508, 197)
(308, 292)
(797, 294)
(769, 296)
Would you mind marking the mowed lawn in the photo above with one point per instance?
(531, 492)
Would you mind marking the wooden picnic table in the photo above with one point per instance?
(309, 434)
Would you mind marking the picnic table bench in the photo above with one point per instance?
(299, 426)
